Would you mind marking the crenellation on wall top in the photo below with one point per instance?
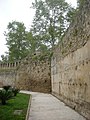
(10, 65)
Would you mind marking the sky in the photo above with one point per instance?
(18, 10)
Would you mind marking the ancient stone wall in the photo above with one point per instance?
(70, 65)
(7, 77)
(8, 73)
(34, 75)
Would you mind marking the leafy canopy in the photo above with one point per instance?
(52, 18)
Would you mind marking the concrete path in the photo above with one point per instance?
(47, 107)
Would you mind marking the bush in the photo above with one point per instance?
(7, 87)
(15, 91)
(5, 95)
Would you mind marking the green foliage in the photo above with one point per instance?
(21, 42)
(4, 58)
(6, 87)
(80, 2)
(5, 95)
(15, 91)
(51, 20)
(33, 42)
(71, 14)
(19, 103)
(16, 41)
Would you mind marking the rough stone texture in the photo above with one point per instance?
(31, 74)
(8, 73)
(77, 34)
(7, 77)
(34, 75)
(70, 66)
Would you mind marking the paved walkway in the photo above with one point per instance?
(48, 107)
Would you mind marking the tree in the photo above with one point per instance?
(80, 2)
(21, 42)
(51, 20)
(16, 41)
(49, 25)
(33, 42)
(4, 58)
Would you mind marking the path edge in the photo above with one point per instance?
(28, 109)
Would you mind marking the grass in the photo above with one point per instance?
(20, 102)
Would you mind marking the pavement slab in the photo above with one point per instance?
(48, 107)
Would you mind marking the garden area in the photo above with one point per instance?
(13, 105)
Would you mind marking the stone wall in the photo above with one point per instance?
(8, 73)
(70, 65)
(34, 75)
(7, 77)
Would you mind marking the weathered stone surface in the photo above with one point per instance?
(70, 66)
(8, 73)
(7, 77)
(31, 74)
(34, 75)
